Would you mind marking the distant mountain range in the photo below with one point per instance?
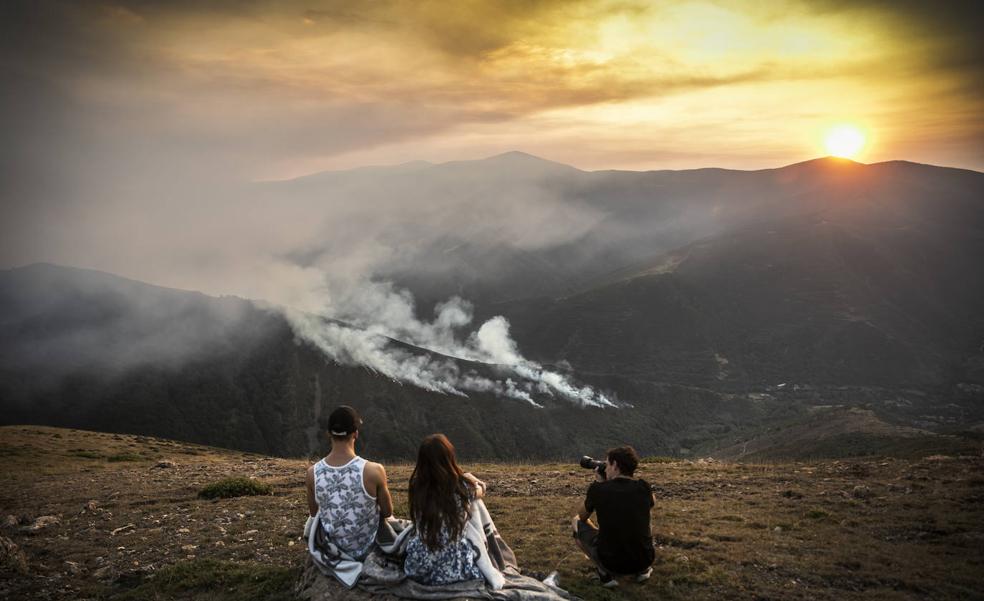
(720, 303)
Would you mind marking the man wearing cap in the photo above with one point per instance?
(347, 495)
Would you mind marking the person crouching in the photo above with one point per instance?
(622, 543)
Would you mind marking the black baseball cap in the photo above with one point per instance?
(344, 421)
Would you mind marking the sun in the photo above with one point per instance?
(845, 141)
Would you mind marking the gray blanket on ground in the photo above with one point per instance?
(382, 571)
(314, 585)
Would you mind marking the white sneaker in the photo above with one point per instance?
(644, 576)
(553, 579)
(607, 580)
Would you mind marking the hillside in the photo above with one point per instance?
(717, 303)
(822, 273)
(838, 431)
(107, 516)
(72, 356)
(89, 350)
(817, 301)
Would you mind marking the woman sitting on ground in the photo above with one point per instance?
(440, 495)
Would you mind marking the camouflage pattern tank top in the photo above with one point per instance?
(346, 511)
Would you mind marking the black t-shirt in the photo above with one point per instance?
(625, 542)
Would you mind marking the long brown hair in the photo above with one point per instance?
(436, 487)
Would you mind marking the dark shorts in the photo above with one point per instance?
(587, 535)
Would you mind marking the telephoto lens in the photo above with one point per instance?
(589, 463)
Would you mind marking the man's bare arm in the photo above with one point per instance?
(383, 498)
(311, 500)
(583, 514)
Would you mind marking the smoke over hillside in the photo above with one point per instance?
(357, 260)
(379, 313)
(338, 284)
(329, 250)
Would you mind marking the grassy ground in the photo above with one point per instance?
(128, 529)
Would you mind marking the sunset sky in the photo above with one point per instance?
(127, 126)
(259, 90)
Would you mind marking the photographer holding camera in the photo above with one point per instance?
(622, 544)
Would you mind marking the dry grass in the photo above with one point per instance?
(915, 529)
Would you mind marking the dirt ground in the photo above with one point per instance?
(96, 516)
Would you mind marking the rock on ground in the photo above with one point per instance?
(11, 556)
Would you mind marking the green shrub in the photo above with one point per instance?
(731, 518)
(9, 451)
(215, 581)
(817, 514)
(87, 454)
(235, 487)
(124, 457)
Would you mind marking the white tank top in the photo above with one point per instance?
(346, 511)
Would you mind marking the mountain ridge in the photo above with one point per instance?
(518, 157)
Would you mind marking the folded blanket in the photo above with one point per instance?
(330, 559)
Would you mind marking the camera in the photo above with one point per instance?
(590, 463)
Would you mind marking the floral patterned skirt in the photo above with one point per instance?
(455, 561)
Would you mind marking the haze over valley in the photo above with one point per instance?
(532, 309)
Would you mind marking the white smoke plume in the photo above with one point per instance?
(358, 328)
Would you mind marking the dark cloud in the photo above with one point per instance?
(948, 33)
